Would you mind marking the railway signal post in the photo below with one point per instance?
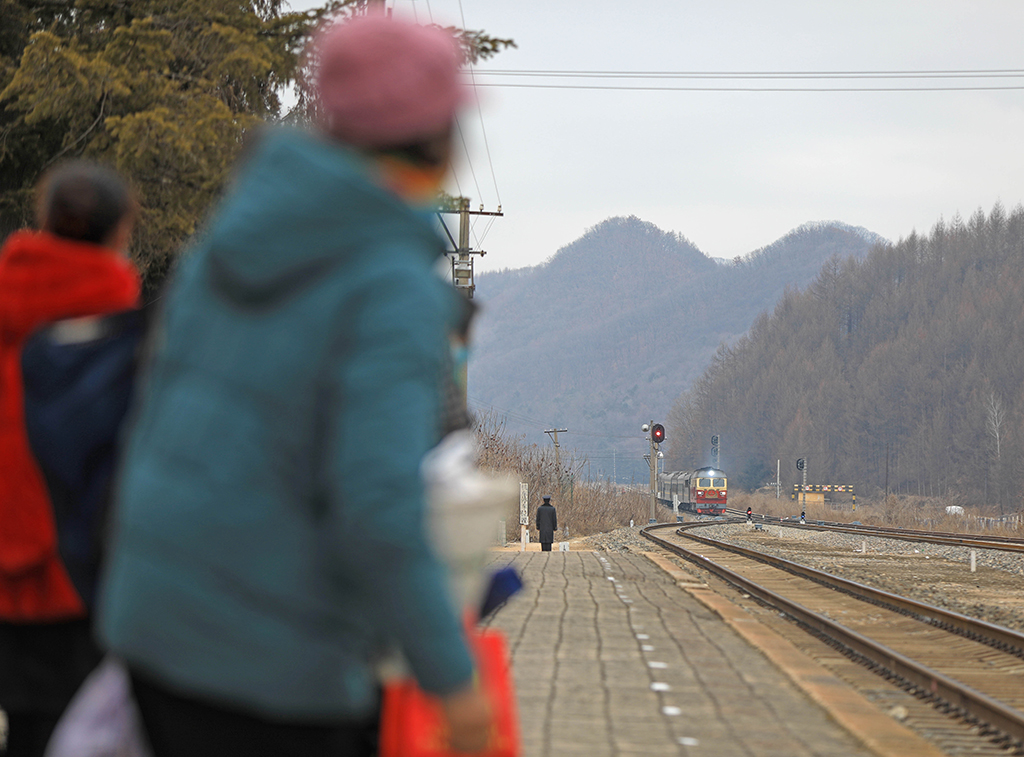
(657, 436)
(801, 465)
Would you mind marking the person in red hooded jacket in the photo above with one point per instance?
(73, 267)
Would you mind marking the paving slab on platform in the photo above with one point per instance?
(611, 657)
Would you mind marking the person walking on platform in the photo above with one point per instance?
(547, 524)
(270, 542)
(73, 269)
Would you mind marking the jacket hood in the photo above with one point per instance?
(45, 278)
(301, 205)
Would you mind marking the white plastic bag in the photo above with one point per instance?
(463, 504)
(102, 720)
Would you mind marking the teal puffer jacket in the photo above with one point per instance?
(269, 537)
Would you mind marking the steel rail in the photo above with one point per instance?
(1001, 638)
(1003, 543)
(969, 701)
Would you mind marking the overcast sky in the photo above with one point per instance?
(733, 171)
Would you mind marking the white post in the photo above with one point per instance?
(524, 515)
(974, 561)
(864, 546)
(675, 506)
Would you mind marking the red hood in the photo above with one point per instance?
(45, 278)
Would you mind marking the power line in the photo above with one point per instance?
(479, 109)
(469, 159)
(754, 80)
(483, 131)
(508, 413)
(893, 74)
(751, 89)
(607, 436)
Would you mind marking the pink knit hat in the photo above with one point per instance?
(383, 82)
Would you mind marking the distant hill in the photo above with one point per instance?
(607, 333)
(903, 371)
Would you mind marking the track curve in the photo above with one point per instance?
(964, 664)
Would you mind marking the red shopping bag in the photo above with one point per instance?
(413, 723)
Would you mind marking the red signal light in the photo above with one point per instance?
(658, 433)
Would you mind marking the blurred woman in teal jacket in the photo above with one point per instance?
(270, 538)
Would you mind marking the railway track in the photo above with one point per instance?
(962, 665)
(978, 541)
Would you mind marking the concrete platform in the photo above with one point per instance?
(612, 657)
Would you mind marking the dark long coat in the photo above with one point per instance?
(547, 523)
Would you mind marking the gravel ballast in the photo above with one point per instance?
(932, 573)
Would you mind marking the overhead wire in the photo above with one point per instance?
(509, 413)
(877, 74)
(763, 80)
(465, 149)
(477, 236)
(751, 89)
(479, 109)
(454, 172)
(472, 172)
(515, 415)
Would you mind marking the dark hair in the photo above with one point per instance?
(430, 152)
(83, 201)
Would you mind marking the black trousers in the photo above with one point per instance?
(41, 667)
(545, 546)
(29, 732)
(178, 726)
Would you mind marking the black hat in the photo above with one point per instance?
(546, 498)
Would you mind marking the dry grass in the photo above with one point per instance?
(586, 507)
(590, 507)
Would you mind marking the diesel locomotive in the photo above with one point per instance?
(702, 491)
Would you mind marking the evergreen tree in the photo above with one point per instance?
(166, 91)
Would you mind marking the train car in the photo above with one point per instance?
(703, 491)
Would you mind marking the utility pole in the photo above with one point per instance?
(462, 263)
(461, 256)
(553, 433)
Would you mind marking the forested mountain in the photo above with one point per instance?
(907, 364)
(605, 335)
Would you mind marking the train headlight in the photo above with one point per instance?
(700, 493)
